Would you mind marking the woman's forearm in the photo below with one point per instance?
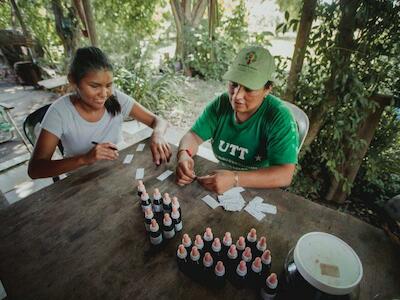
(42, 168)
(271, 177)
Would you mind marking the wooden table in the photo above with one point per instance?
(84, 238)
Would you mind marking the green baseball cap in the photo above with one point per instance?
(252, 68)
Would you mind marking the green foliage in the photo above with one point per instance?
(156, 92)
(210, 59)
(373, 68)
(292, 7)
(122, 24)
(39, 20)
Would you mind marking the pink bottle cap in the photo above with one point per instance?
(256, 265)
(207, 259)
(195, 254)
(216, 245)
(240, 244)
(208, 235)
(219, 269)
(272, 281)
(266, 257)
(186, 240)
(181, 251)
(241, 268)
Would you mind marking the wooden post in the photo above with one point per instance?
(90, 22)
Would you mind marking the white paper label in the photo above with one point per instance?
(139, 173)
(128, 159)
(210, 201)
(164, 175)
(140, 147)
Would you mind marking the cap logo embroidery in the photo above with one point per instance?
(250, 58)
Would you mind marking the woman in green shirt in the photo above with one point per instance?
(252, 132)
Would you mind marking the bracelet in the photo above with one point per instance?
(236, 179)
(186, 150)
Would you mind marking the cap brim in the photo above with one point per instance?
(243, 78)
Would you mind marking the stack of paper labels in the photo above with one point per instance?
(232, 200)
(257, 208)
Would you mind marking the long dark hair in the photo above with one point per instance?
(89, 59)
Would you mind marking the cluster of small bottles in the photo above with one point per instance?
(162, 210)
(246, 264)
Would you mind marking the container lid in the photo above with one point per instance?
(328, 263)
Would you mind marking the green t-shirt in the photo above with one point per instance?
(269, 137)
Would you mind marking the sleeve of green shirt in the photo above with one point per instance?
(283, 140)
(206, 124)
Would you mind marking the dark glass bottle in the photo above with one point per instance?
(270, 288)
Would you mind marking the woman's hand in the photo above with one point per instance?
(185, 169)
(218, 181)
(103, 151)
(160, 148)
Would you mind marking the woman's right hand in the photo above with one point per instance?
(185, 169)
(104, 151)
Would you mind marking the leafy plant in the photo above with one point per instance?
(136, 77)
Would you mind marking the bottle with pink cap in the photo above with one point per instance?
(240, 246)
(261, 246)
(226, 244)
(251, 239)
(145, 201)
(255, 278)
(140, 188)
(155, 233)
(219, 275)
(270, 288)
(208, 268)
(157, 203)
(216, 249)
(232, 260)
(240, 277)
(148, 216)
(182, 258)
(208, 238)
(187, 242)
(168, 227)
(195, 265)
(176, 219)
(247, 257)
(266, 260)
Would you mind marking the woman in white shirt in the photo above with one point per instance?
(89, 122)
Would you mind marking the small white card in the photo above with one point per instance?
(256, 214)
(128, 159)
(139, 173)
(164, 175)
(210, 201)
(235, 190)
(140, 147)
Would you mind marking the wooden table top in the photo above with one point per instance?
(84, 237)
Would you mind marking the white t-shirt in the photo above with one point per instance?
(76, 134)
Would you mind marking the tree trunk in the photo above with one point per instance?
(186, 17)
(90, 22)
(366, 132)
(68, 35)
(212, 25)
(23, 26)
(344, 45)
(307, 17)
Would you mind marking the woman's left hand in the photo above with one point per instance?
(218, 181)
(160, 149)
